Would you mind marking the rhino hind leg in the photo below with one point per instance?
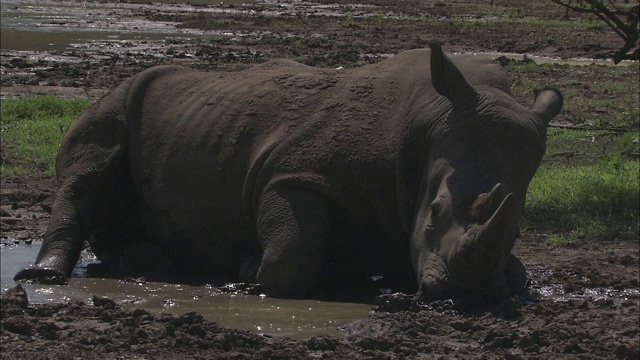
(91, 174)
(292, 228)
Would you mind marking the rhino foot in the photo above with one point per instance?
(249, 269)
(516, 275)
(41, 275)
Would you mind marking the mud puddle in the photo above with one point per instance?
(123, 27)
(297, 319)
(541, 284)
(95, 44)
(86, 26)
(90, 26)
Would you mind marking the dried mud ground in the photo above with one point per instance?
(585, 316)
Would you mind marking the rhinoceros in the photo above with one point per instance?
(292, 176)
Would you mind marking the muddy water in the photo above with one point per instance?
(34, 25)
(293, 318)
(30, 25)
(542, 283)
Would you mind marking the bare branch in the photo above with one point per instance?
(612, 15)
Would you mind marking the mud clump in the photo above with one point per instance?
(107, 331)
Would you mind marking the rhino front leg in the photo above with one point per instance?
(292, 228)
(89, 170)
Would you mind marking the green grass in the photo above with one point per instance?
(589, 202)
(608, 99)
(588, 147)
(577, 24)
(32, 129)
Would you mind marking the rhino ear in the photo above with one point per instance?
(547, 104)
(447, 78)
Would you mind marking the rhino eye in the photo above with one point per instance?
(435, 211)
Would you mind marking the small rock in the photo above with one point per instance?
(139, 313)
(15, 296)
(623, 352)
(106, 317)
(322, 343)
(8, 220)
(104, 302)
(397, 302)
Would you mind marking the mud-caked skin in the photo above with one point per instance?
(292, 176)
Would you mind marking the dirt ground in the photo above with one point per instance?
(582, 301)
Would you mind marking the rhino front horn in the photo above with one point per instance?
(447, 78)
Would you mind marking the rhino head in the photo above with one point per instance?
(476, 159)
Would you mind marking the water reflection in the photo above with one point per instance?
(58, 26)
(277, 317)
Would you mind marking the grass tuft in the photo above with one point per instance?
(585, 202)
(32, 129)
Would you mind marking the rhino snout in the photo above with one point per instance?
(439, 282)
(433, 281)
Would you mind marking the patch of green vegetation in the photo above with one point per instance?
(591, 202)
(571, 147)
(589, 24)
(608, 99)
(32, 129)
(520, 17)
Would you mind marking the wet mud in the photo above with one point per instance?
(120, 39)
(571, 323)
(581, 302)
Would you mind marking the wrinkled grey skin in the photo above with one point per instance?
(295, 176)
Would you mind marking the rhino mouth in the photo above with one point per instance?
(447, 286)
(489, 287)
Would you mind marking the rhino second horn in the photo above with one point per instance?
(495, 234)
(447, 78)
(487, 203)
